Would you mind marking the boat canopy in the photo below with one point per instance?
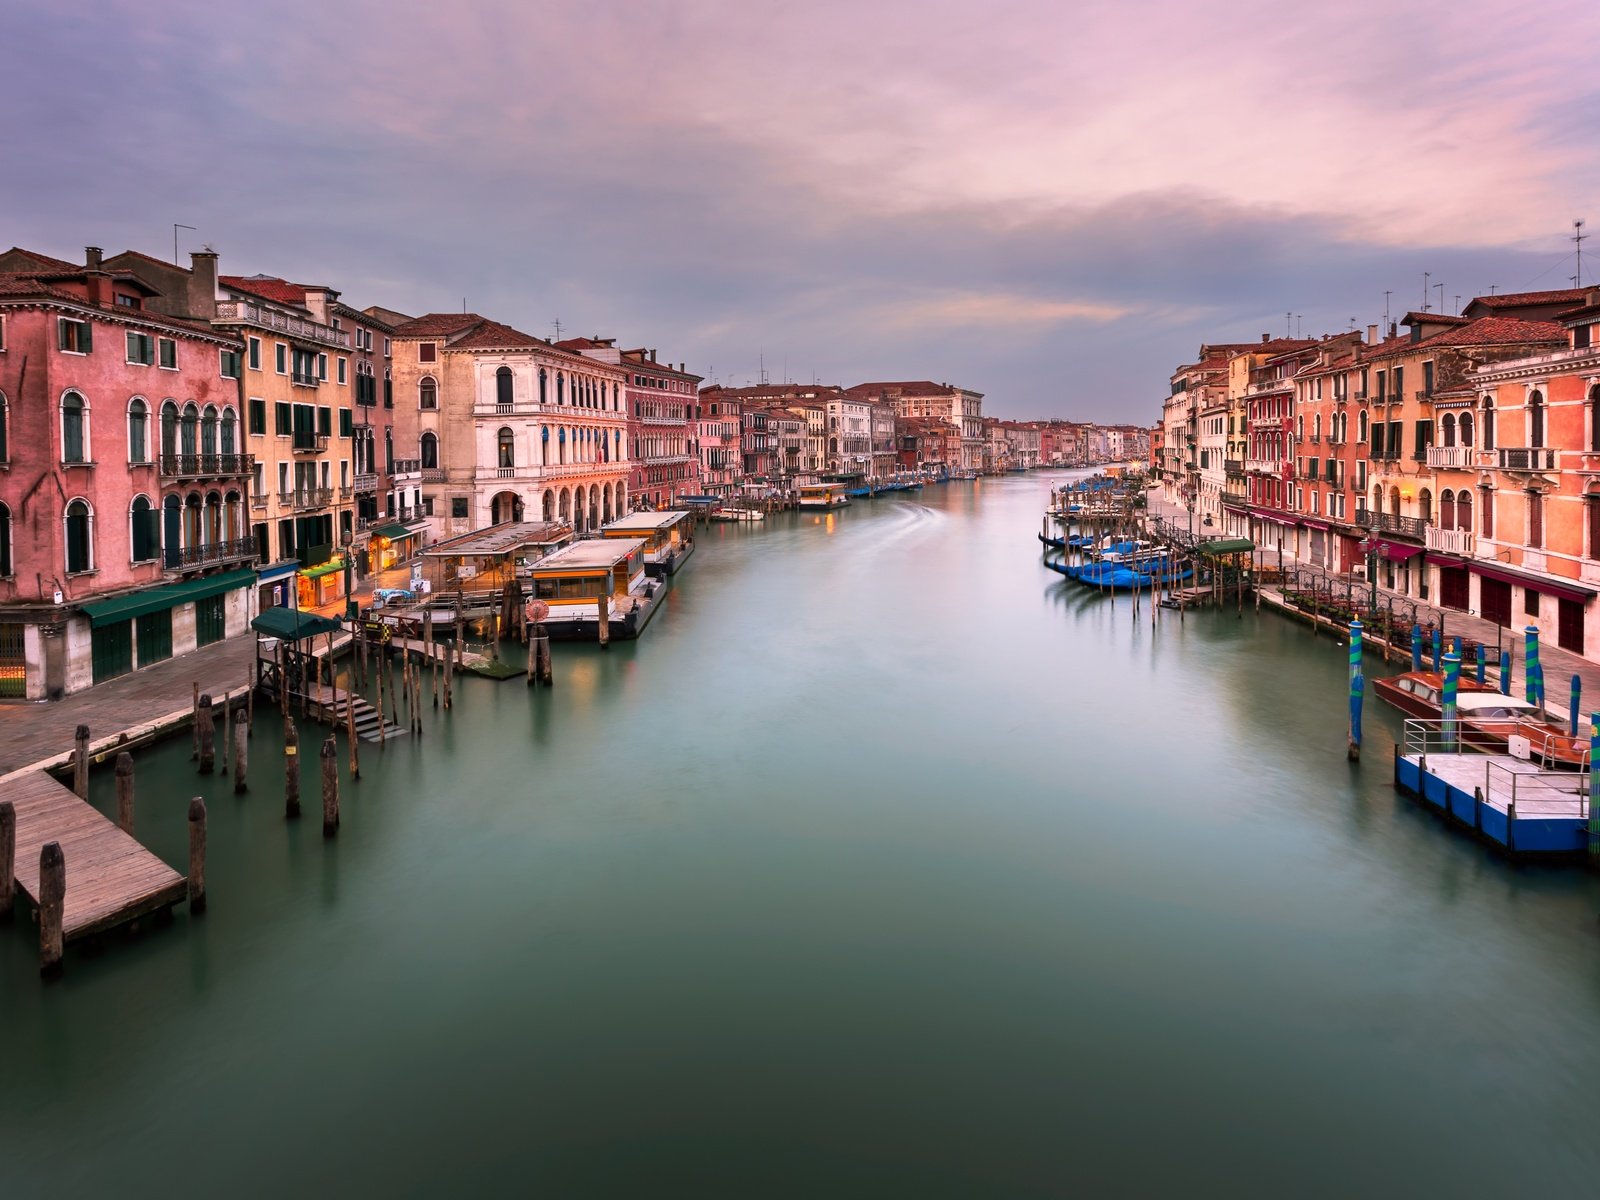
(293, 624)
(1217, 546)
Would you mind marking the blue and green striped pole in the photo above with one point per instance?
(1532, 673)
(1594, 789)
(1572, 711)
(1455, 645)
(1416, 647)
(1505, 672)
(1358, 687)
(1438, 645)
(1483, 665)
(1452, 685)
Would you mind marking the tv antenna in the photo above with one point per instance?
(1578, 236)
(176, 227)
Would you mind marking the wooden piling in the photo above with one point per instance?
(383, 742)
(207, 724)
(283, 679)
(249, 703)
(80, 762)
(291, 772)
(604, 630)
(125, 793)
(350, 732)
(8, 858)
(52, 906)
(241, 758)
(227, 730)
(197, 855)
(330, 786)
(547, 673)
(194, 714)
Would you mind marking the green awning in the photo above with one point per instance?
(394, 531)
(136, 604)
(321, 569)
(1218, 546)
(294, 625)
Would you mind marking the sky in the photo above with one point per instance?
(1052, 203)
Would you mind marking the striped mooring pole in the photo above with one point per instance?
(1358, 687)
(1452, 686)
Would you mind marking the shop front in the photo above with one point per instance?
(392, 544)
(321, 584)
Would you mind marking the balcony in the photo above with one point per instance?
(246, 313)
(432, 474)
(202, 466)
(1450, 541)
(306, 499)
(1424, 394)
(407, 466)
(258, 501)
(366, 483)
(1461, 458)
(1528, 459)
(191, 558)
(310, 443)
(1411, 527)
(305, 379)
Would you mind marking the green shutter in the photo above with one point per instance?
(324, 421)
(347, 423)
(85, 336)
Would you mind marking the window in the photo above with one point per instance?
(1536, 420)
(388, 390)
(305, 368)
(229, 421)
(5, 541)
(258, 415)
(502, 386)
(458, 507)
(1447, 430)
(1488, 513)
(324, 421)
(388, 348)
(1594, 416)
(347, 423)
(344, 366)
(427, 352)
(507, 448)
(322, 367)
(1427, 379)
(141, 349)
(430, 452)
(1530, 602)
(1591, 512)
(144, 530)
(74, 337)
(168, 353)
(255, 354)
(80, 537)
(280, 355)
(5, 449)
(229, 360)
(138, 431)
(74, 429)
(284, 418)
(428, 393)
(1487, 412)
(1535, 521)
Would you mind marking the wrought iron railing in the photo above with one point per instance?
(195, 466)
(188, 557)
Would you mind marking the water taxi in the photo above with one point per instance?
(668, 538)
(822, 495)
(573, 579)
(1421, 693)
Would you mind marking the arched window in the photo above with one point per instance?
(74, 430)
(1425, 504)
(1487, 411)
(1464, 510)
(5, 541)
(188, 428)
(1361, 426)
(427, 393)
(191, 520)
(1394, 501)
(1465, 427)
(169, 430)
(143, 534)
(1316, 428)
(172, 530)
(138, 431)
(228, 431)
(5, 450)
(502, 386)
(208, 430)
(544, 384)
(1447, 430)
(1300, 428)
(507, 447)
(1487, 509)
(1594, 419)
(1536, 420)
(561, 388)
(430, 452)
(1447, 509)
(80, 537)
(213, 522)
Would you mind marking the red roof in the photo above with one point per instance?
(22, 285)
(915, 387)
(42, 262)
(1518, 299)
(1485, 331)
(279, 291)
(438, 325)
(495, 336)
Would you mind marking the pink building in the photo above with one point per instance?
(123, 488)
(721, 441)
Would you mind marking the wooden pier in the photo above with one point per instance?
(328, 705)
(111, 879)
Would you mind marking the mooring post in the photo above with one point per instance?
(1532, 672)
(8, 858)
(1594, 795)
(547, 670)
(80, 762)
(52, 904)
(241, 758)
(1483, 664)
(330, 787)
(1416, 647)
(249, 703)
(206, 723)
(291, 772)
(1572, 713)
(1438, 647)
(1448, 707)
(125, 793)
(194, 713)
(197, 855)
(604, 629)
(1358, 687)
(350, 732)
(283, 679)
(1505, 672)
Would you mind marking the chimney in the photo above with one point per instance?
(318, 303)
(201, 296)
(1266, 337)
(97, 283)
(652, 356)
(1372, 335)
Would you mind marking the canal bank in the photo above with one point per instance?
(884, 864)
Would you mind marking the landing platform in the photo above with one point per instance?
(1505, 800)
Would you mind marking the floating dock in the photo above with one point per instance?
(1507, 801)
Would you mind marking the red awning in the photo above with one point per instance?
(1564, 589)
(1310, 524)
(1393, 551)
(1446, 560)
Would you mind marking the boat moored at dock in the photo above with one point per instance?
(668, 537)
(823, 495)
(598, 575)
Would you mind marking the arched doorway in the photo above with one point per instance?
(564, 508)
(549, 506)
(605, 506)
(506, 506)
(594, 506)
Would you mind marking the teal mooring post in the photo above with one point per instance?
(1438, 646)
(1452, 686)
(1416, 647)
(1532, 672)
(1358, 687)
(1483, 664)
(1505, 672)
(1572, 711)
(1594, 790)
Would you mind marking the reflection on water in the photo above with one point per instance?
(886, 863)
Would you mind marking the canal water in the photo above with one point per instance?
(886, 863)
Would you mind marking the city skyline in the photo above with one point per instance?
(1051, 207)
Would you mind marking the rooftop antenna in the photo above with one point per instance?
(1458, 304)
(1578, 235)
(1425, 276)
(178, 226)
(1288, 325)
(1492, 287)
(558, 328)
(1386, 296)
(1299, 330)
(1440, 286)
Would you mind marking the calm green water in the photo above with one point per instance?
(887, 863)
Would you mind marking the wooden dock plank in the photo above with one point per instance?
(111, 878)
